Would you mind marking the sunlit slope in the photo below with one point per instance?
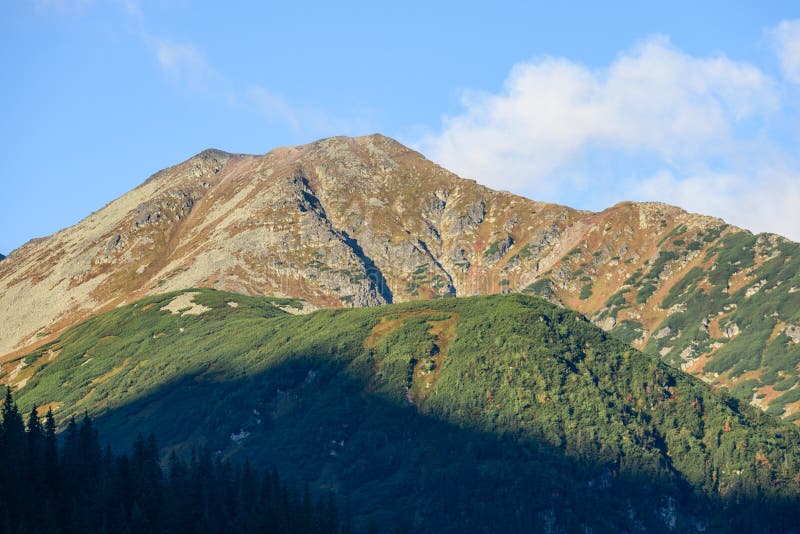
(351, 222)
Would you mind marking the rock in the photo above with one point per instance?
(543, 239)
(562, 276)
(704, 324)
(752, 290)
(677, 308)
(511, 223)
(469, 220)
(345, 222)
(607, 323)
(458, 259)
(731, 331)
(662, 333)
(498, 249)
(793, 333)
(112, 243)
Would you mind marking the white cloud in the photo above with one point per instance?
(304, 121)
(703, 121)
(654, 99)
(786, 39)
(182, 62)
(186, 66)
(133, 9)
(273, 107)
(766, 202)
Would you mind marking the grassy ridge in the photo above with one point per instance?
(447, 414)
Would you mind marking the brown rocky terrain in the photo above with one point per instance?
(366, 221)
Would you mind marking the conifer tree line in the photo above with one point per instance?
(73, 485)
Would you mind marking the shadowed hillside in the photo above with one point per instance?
(448, 414)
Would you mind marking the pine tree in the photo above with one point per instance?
(33, 470)
(50, 451)
(13, 427)
(14, 460)
(35, 430)
(246, 494)
(150, 482)
(89, 449)
(307, 512)
(177, 516)
(80, 488)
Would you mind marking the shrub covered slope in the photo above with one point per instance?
(481, 413)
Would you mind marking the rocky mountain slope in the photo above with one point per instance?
(366, 221)
(483, 414)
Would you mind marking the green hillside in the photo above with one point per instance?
(485, 413)
(733, 321)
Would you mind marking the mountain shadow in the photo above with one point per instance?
(500, 413)
(393, 467)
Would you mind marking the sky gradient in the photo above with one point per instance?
(577, 104)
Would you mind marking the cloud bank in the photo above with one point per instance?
(655, 124)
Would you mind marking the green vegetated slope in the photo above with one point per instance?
(485, 413)
(733, 319)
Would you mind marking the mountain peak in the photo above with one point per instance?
(212, 153)
(347, 143)
(379, 139)
(362, 221)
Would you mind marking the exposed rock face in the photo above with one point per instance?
(607, 323)
(793, 333)
(664, 332)
(367, 221)
(731, 331)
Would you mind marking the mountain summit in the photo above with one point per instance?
(367, 221)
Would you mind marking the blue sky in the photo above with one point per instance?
(575, 103)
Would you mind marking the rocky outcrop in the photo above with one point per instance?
(607, 323)
(366, 221)
(793, 333)
(353, 222)
(498, 248)
(731, 331)
(663, 332)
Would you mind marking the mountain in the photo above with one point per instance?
(491, 413)
(365, 221)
